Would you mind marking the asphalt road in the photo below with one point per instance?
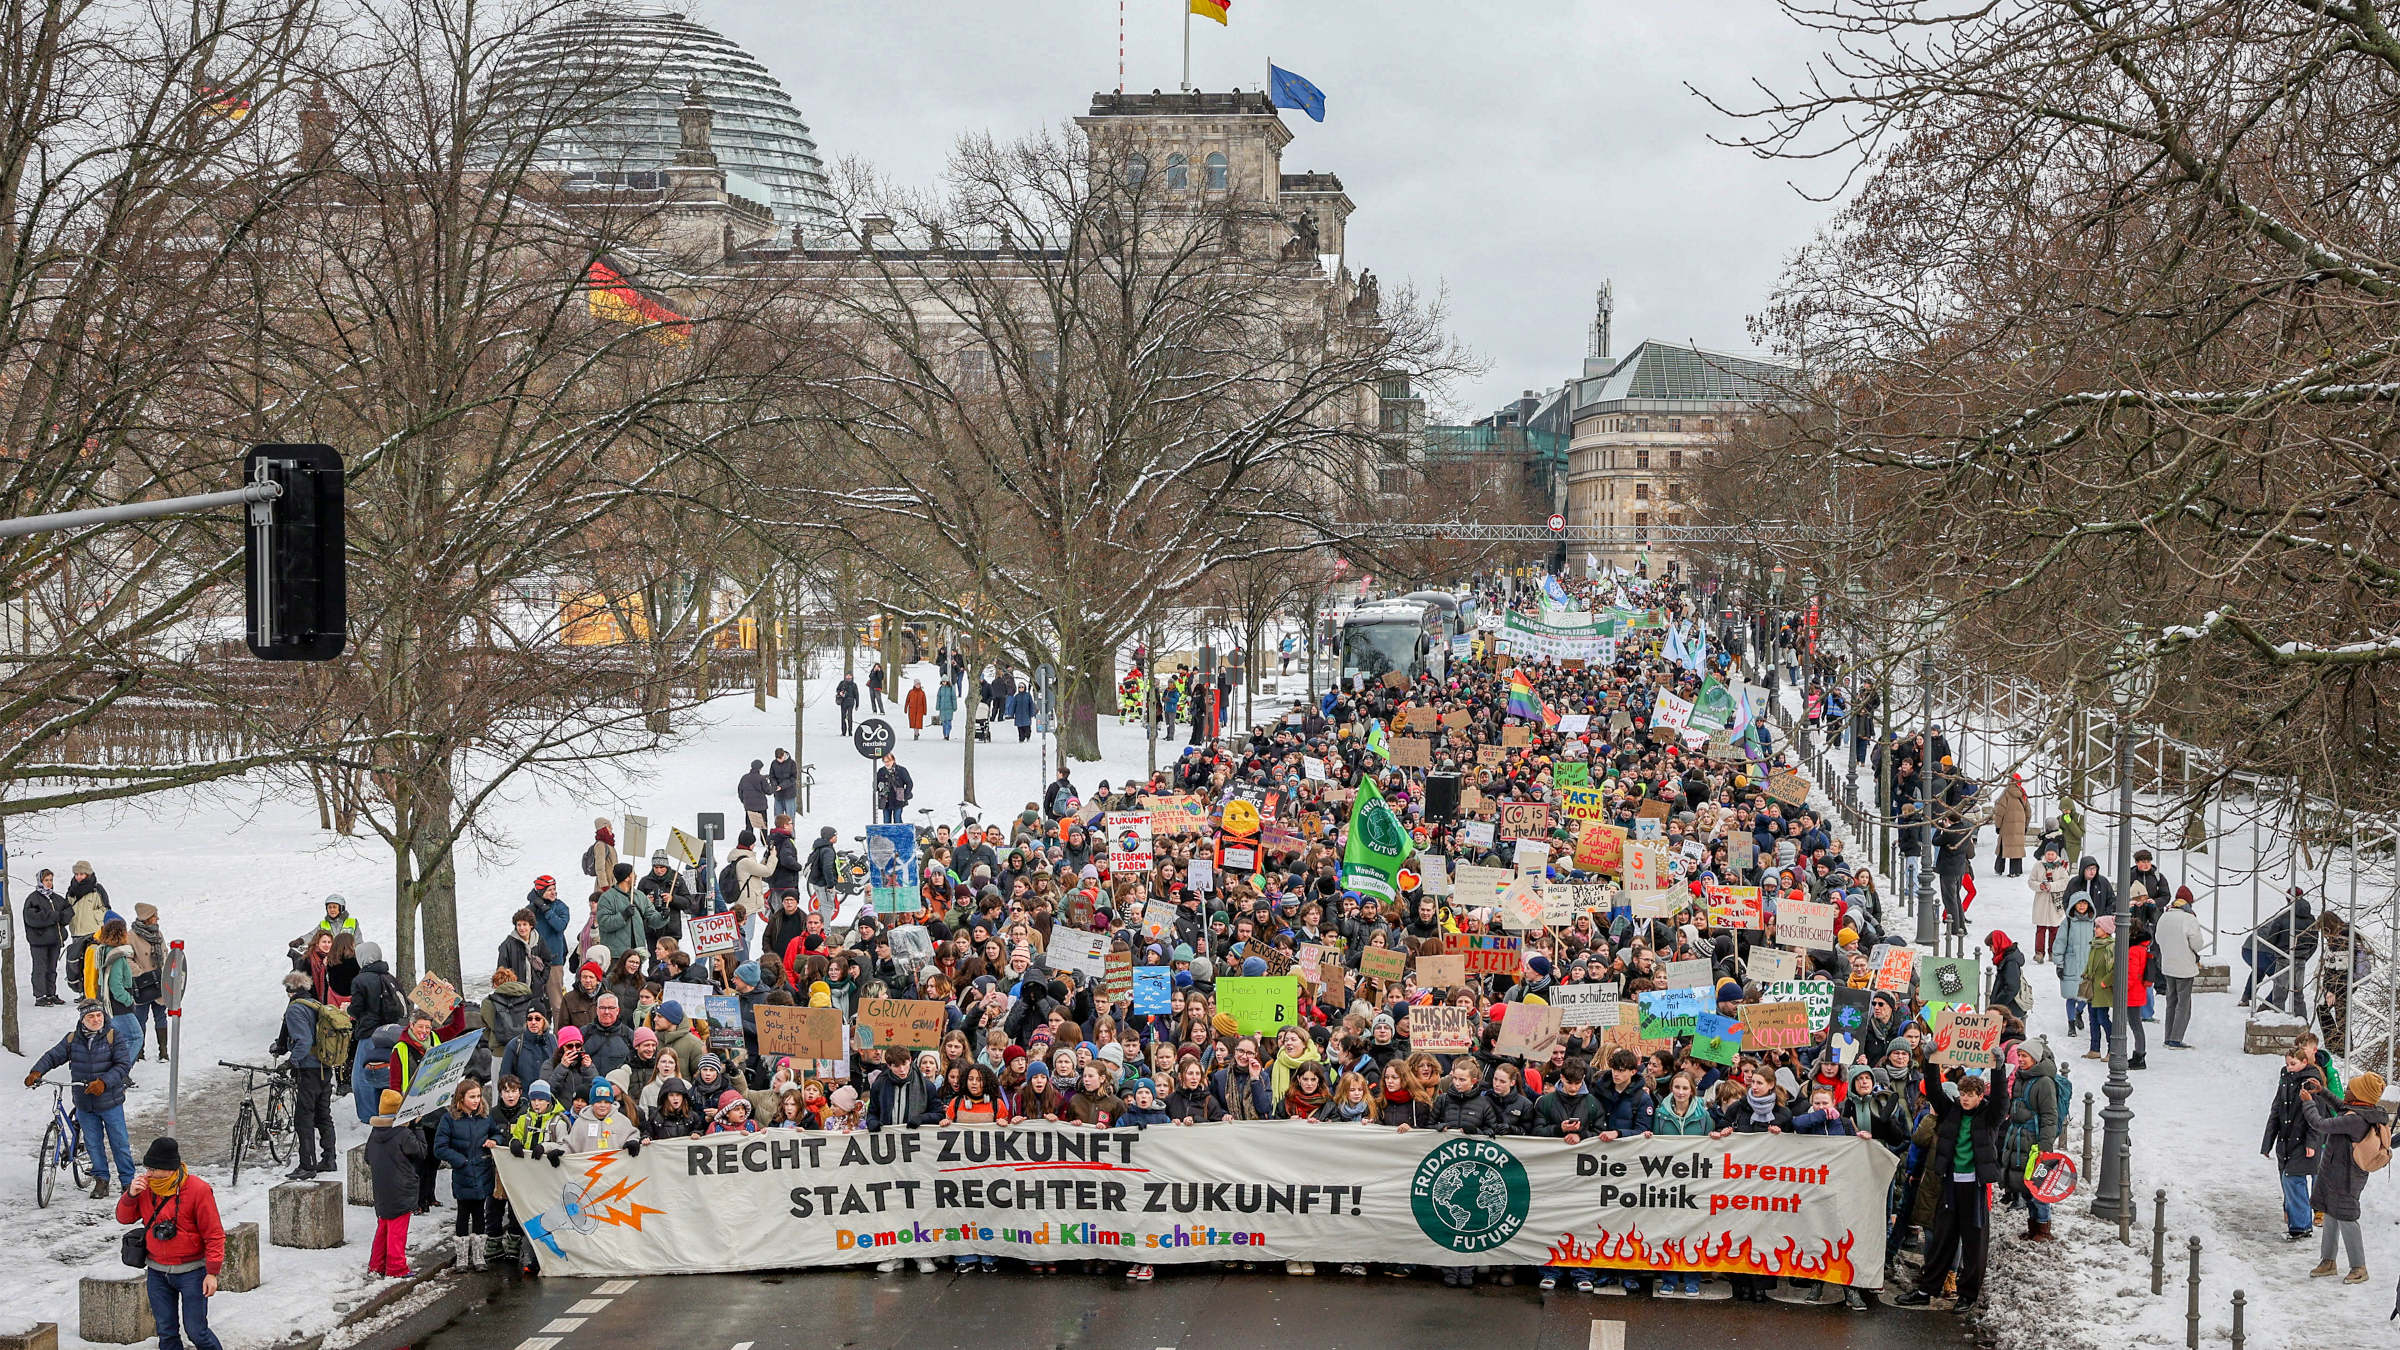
(1188, 1309)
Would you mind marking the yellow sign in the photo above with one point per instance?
(1241, 817)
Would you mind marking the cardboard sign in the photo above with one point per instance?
(1533, 857)
(1817, 994)
(902, 1023)
(1074, 949)
(802, 1033)
(1645, 869)
(1487, 953)
(1260, 1005)
(1896, 971)
(1456, 719)
(1153, 991)
(1806, 924)
(1968, 1040)
(1774, 1026)
(1478, 887)
(1441, 972)
(1433, 874)
(1158, 921)
(1487, 757)
(1310, 962)
(437, 996)
(1524, 820)
(1696, 973)
(1716, 1039)
(1521, 904)
(1382, 963)
(1128, 842)
(685, 846)
(1412, 752)
(1116, 978)
(1477, 832)
(713, 933)
(1175, 813)
(1585, 1005)
(1515, 738)
(1527, 1031)
(1949, 979)
(1769, 964)
(1602, 849)
(1787, 787)
(1440, 1029)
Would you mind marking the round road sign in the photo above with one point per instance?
(1557, 523)
(874, 738)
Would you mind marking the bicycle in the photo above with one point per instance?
(62, 1148)
(269, 1129)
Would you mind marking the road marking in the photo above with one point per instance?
(617, 1287)
(745, 1345)
(1608, 1335)
(588, 1307)
(559, 1326)
(537, 1343)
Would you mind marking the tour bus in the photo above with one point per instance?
(1410, 636)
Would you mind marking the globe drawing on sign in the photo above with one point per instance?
(1470, 1195)
(1383, 833)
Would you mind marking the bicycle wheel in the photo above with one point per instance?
(45, 1180)
(276, 1126)
(243, 1123)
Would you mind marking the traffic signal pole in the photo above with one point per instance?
(118, 515)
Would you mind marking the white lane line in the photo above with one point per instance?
(560, 1326)
(1608, 1335)
(587, 1307)
(745, 1345)
(537, 1343)
(617, 1287)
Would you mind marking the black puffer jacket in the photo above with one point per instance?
(1465, 1112)
(2289, 1140)
(1512, 1114)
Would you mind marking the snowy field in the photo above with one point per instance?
(238, 870)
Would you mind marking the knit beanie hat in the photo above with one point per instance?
(2365, 1089)
(539, 1091)
(163, 1155)
(1225, 1024)
(708, 1062)
(1254, 966)
(570, 1035)
(670, 1010)
(388, 1103)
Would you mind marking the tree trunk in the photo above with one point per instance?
(1088, 674)
(799, 685)
(966, 721)
(770, 650)
(405, 899)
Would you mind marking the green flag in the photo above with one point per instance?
(1378, 743)
(1712, 708)
(1378, 844)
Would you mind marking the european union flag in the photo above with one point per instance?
(1286, 90)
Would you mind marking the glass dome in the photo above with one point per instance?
(757, 133)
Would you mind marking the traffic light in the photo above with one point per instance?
(294, 572)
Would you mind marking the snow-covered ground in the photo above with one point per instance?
(238, 870)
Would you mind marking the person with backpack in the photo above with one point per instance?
(375, 998)
(396, 1157)
(87, 909)
(551, 918)
(46, 914)
(2037, 1114)
(845, 698)
(316, 1037)
(2354, 1142)
(742, 882)
(2292, 1145)
(102, 1061)
(600, 858)
(148, 944)
(823, 872)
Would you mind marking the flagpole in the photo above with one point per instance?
(1187, 46)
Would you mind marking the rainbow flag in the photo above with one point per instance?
(1212, 9)
(1523, 702)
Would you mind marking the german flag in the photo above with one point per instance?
(613, 299)
(228, 104)
(1212, 9)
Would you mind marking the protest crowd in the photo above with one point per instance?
(1582, 898)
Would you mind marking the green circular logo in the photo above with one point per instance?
(1470, 1195)
(1383, 833)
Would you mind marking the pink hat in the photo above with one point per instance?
(729, 1099)
(644, 1036)
(569, 1035)
(845, 1096)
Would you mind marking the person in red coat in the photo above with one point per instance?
(185, 1241)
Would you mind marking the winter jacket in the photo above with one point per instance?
(46, 913)
(87, 905)
(672, 899)
(394, 1153)
(115, 985)
(1231, 1093)
(1822, 1122)
(1464, 1112)
(2098, 887)
(823, 866)
(625, 920)
(2049, 882)
(524, 959)
(503, 1012)
(458, 1141)
(2034, 1123)
(2339, 1180)
(199, 1240)
(589, 1133)
(784, 775)
(2007, 986)
(755, 789)
(2073, 950)
(298, 1038)
(2181, 943)
(525, 1056)
(1694, 1119)
(375, 999)
(1627, 1112)
(1198, 1105)
(550, 920)
(892, 1100)
(2098, 986)
(101, 1057)
(2288, 1139)
(1511, 1114)
(608, 1047)
(1984, 1126)
(786, 876)
(569, 1083)
(1555, 1108)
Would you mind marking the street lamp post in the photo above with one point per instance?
(2112, 1198)
(1929, 906)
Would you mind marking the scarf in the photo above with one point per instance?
(606, 836)
(1279, 1078)
(1352, 1114)
(1297, 1104)
(165, 1184)
(1762, 1107)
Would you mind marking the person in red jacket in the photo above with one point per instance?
(186, 1244)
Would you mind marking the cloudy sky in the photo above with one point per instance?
(1513, 152)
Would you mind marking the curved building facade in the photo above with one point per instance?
(760, 139)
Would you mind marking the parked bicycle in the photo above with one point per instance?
(266, 1129)
(62, 1147)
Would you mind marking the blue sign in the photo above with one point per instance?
(892, 869)
(1153, 991)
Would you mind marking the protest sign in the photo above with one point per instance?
(1158, 921)
(1948, 979)
(1670, 712)
(1896, 971)
(1128, 842)
(899, 1023)
(1412, 752)
(1673, 1012)
(1260, 1004)
(713, 933)
(1774, 1026)
(803, 1033)
(1788, 787)
(1200, 875)
(1476, 832)
(1515, 738)
(1521, 904)
(1741, 850)
(1600, 848)
(1116, 977)
(1433, 874)
(1524, 820)
(1584, 803)
(1736, 907)
(1487, 953)
(724, 1014)
(1174, 813)
(1716, 1039)
(1851, 1008)
(1441, 972)
(1585, 1005)
(1153, 991)
(437, 996)
(1645, 870)
(1574, 724)
(1572, 775)
(1382, 963)
(1074, 949)
(1527, 1031)
(690, 996)
(1441, 1029)
(1313, 768)
(1692, 974)
(437, 1075)
(1772, 963)
(1817, 994)
(1967, 1040)
(1478, 887)
(892, 869)
(1806, 924)
(1561, 903)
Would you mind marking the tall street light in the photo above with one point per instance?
(2128, 689)
(1929, 905)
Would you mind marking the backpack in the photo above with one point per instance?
(2374, 1152)
(729, 885)
(587, 860)
(2064, 1084)
(330, 1042)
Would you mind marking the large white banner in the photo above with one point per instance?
(1750, 1204)
(1521, 636)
